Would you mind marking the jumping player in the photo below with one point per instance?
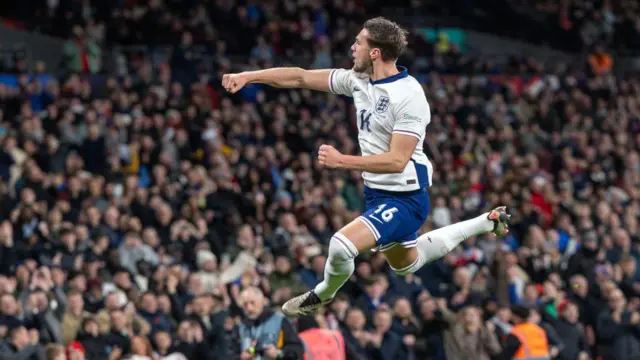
(393, 114)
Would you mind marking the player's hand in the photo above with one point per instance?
(246, 356)
(233, 82)
(329, 157)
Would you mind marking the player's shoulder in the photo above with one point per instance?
(406, 89)
(414, 84)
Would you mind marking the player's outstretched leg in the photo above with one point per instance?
(437, 243)
(338, 269)
(345, 245)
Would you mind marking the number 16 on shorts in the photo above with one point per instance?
(381, 213)
(395, 219)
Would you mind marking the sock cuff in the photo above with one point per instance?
(415, 266)
(347, 244)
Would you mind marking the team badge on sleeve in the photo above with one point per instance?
(382, 105)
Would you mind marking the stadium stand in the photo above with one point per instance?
(145, 212)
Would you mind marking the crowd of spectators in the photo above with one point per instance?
(611, 22)
(146, 215)
(572, 25)
(615, 23)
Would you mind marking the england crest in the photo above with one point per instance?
(382, 105)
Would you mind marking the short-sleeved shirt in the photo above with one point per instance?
(394, 105)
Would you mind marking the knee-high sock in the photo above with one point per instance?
(437, 243)
(339, 267)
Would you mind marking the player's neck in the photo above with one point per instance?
(383, 70)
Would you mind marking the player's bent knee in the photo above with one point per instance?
(415, 266)
(341, 249)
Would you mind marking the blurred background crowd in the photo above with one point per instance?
(147, 214)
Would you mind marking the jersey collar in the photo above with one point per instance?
(401, 75)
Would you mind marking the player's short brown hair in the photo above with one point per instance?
(387, 36)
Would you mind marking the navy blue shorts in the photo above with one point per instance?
(395, 218)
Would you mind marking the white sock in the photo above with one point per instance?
(437, 243)
(339, 267)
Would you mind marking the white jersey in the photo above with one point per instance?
(394, 105)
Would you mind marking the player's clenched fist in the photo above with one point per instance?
(233, 82)
(330, 157)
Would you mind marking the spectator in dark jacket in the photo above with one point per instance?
(374, 295)
(190, 341)
(94, 343)
(182, 62)
(162, 342)
(581, 295)
(355, 337)
(384, 344)
(404, 322)
(617, 329)
(572, 333)
(94, 151)
(22, 345)
(9, 314)
(210, 317)
(584, 261)
(628, 273)
(149, 311)
(431, 340)
(119, 335)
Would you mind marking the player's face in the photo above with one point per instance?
(361, 53)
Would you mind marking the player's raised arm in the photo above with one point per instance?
(284, 77)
